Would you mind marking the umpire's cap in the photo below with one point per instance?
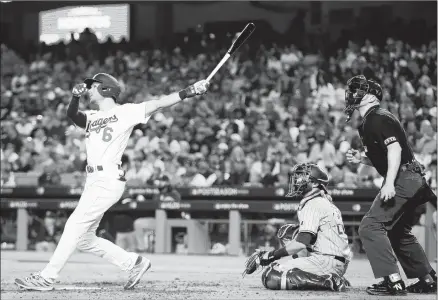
(109, 86)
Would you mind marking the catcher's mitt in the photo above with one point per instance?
(253, 262)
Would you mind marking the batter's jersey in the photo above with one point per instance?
(108, 132)
(319, 216)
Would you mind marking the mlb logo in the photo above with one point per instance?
(365, 149)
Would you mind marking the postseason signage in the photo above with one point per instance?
(245, 199)
(206, 193)
(104, 20)
(278, 207)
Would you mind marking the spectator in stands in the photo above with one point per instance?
(137, 174)
(322, 150)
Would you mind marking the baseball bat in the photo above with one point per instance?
(243, 36)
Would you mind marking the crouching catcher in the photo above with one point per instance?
(320, 232)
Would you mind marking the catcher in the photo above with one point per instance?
(320, 232)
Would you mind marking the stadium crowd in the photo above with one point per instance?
(267, 110)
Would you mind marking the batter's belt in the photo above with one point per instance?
(115, 170)
(98, 168)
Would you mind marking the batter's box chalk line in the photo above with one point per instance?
(76, 288)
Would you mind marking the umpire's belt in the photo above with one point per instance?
(92, 169)
(413, 166)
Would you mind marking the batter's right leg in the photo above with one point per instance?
(99, 195)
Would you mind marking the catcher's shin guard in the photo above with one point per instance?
(297, 279)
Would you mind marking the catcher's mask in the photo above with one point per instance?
(303, 177)
(109, 87)
(357, 88)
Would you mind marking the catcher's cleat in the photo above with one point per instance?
(142, 265)
(388, 288)
(339, 284)
(35, 282)
(422, 287)
(347, 283)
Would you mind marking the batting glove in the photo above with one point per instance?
(196, 89)
(79, 90)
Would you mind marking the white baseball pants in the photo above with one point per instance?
(315, 263)
(100, 193)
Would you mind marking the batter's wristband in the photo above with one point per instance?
(182, 94)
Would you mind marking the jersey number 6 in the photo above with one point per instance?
(106, 134)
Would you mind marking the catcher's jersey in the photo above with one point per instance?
(108, 132)
(318, 215)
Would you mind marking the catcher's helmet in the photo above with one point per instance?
(108, 87)
(303, 176)
(375, 89)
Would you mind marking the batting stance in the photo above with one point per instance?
(386, 228)
(107, 133)
(321, 232)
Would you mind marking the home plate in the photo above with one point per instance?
(76, 288)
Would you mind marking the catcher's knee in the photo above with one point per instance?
(271, 278)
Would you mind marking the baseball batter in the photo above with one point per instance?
(107, 133)
(321, 232)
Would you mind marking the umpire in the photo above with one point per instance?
(386, 228)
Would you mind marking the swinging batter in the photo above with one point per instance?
(107, 134)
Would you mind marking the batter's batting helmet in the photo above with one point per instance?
(108, 87)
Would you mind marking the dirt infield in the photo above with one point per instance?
(171, 277)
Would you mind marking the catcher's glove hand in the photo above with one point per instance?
(258, 259)
(79, 89)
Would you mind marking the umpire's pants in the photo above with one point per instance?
(386, 228)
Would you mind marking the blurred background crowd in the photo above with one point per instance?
(279, 101)
(268, 109)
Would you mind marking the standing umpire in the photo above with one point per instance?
(386, 228)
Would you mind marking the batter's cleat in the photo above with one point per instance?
(141, 266)
(35, 282)
(422, 287)
(388, 288)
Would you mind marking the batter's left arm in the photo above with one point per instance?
(199, 88)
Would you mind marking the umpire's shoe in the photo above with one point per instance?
(141, 266)
(422, 287)
(388, 288)
(35, 282)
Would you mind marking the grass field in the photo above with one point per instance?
(171, 277)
